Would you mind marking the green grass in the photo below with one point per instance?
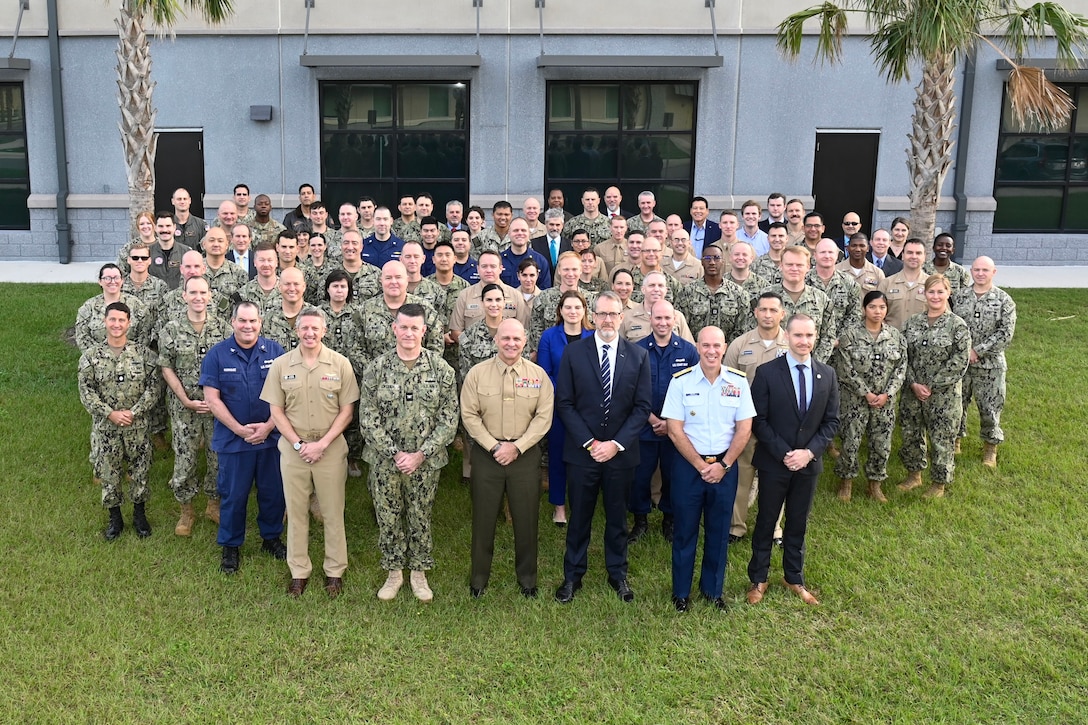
(969, 609)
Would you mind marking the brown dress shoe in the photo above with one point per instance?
(334, 585)
(806, 596)
(755, 592)
(297, 587)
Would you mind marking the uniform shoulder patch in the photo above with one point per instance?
(737, 372)
(683, 372)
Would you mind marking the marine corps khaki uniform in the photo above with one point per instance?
(311, 399)
(991, 318)
(406, 407)
(129, 381)
(937, 356)
(690, 270)
(868, 365)
(182, 349)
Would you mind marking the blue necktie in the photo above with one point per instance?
(554, 247)
(606, 377)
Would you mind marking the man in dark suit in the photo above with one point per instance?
(880, 254)
(797, 415)
(603, 398)
(612, 201)
(240, 251)
(553, 224)
(703, 232)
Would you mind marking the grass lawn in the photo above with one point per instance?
(968, 609)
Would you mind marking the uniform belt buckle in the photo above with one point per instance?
(710, 459)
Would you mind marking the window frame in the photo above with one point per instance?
(24, 180)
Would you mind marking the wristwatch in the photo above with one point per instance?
(297, 446)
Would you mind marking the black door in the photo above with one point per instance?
(179, 162)
(844, 178)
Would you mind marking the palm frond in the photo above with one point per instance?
(833, 26)
(1036, 102)
(1025, 26)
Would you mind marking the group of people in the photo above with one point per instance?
(643, 361)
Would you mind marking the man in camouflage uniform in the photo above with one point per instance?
(118, 384)
(497, 236)
(264, 289)
(365, 277)
(408, 415)
(183, 343)
(375, 318)
(227, 216)
(990, 314)
(223, 275)
(413, 258)
(173, 306)
(768, 266)
(279, 320)
(715, 300)
(591, 219)
(406, 227)
(806, 299)
(263, 226)
(741, 256)
(645, 216)
(840, 288)
(452, 286)
(938, 353)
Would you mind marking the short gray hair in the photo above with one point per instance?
(553, 214)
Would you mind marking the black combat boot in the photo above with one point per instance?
(116, 524)
(139, 521)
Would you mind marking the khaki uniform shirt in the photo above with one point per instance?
(869, 277)
(636, 325)
(613, 254)
(689, 270)
(469, 306)
(904, 298)
(501, 402)
(311, 398)
(747, 352)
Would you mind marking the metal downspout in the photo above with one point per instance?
(963, 147)
(64, 236)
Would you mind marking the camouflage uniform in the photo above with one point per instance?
(937, 356)
(251, 292)
(267, 232)
(489, 239)
(845, 296)
(128, 381)
(867, 365)
(315, 279)
(542, 316)
(226, 280)
(374, 321)
(592, 287)
(365, 284)
(957, 275)
(754, 286)
(407, 231)
(182, 349)
(452, 290)
(333, 243)
(726, 307)
(599, 228)
(673, 288)
(635, 223)
(433, 293)
(816, 305)
(173, 307)
(276, 326)
(90, 327)
(768, 269)
(406, 409)
(150, 293)
(991, 318)
(342, 337)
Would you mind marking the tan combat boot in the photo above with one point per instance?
(934, 491)
(392, 585)
(846, 486)
(989, 455)
(875, 493)
(186, 521)
(913, 481)
(420, 587)
(959, 448)
(212, 511)
(833, 450)
(315, 509)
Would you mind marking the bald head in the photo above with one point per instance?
(510, 340)
(192, 264)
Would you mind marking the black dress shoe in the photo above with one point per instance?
(622, 589)
(529, 592)
(275, 547)
(139, 521)
(682, 604)
(230, 561)
(778, 542)
(115, 526)
(476, 593)
(719, 603)
(639, 529)
(733, 538)
(565, 593)
(667, 527)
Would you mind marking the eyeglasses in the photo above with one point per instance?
(136, 258)
(608, 315)
(110, 278)
(814, 226)
(711, 258)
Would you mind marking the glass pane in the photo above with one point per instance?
(582, 156)
(583, 107)
(1007, 123)
(659, 106)
(1082, 110)
(347, 106)
(1021, 159)
(13, 164)
(431, 156)
(1076, 209)
(335, 193)
(438, 106)
(1028, 207)
(671, 198)
(441, 191)
(357, 155)
(657, 157)
(11, 108)
(14, 213)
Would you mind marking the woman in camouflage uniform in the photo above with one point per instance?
(938, 349)
(871, 365)
(341, 338)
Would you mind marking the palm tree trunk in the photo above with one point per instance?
(930, 154)
(137, 112)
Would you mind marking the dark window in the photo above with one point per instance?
(386, 139)
(14, 167)
(1041, 182)
(636, 136)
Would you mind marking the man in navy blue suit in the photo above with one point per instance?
(797, 415)
(703, 232)
(603, 398)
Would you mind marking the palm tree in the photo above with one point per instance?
(135, 85)
(937, 34)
